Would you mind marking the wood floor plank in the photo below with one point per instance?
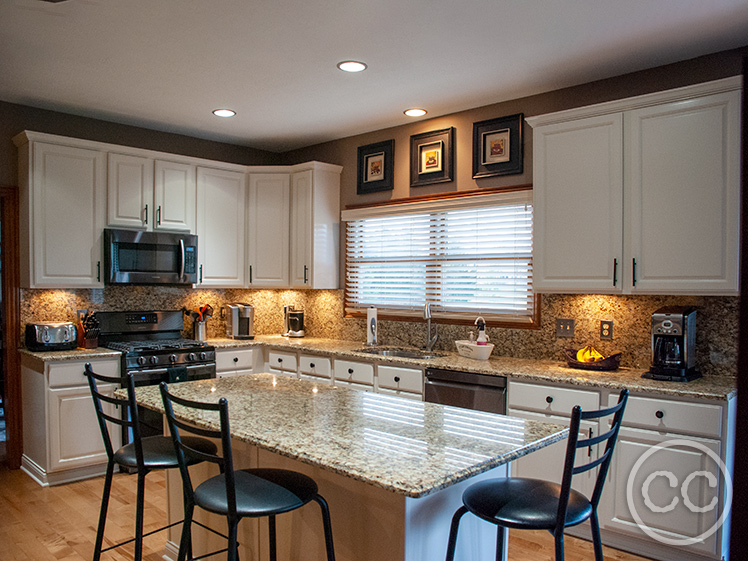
(59, 523)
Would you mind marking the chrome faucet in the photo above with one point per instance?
(430, 341)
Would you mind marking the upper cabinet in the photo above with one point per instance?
(640, 196)
(150, 195)
(268, 229)
(63, 213)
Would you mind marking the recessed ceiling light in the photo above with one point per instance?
(352, 66)
(415, 112)
(224, 112)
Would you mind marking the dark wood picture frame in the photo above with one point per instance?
(491, 155)
(432, 157)
(376, 167)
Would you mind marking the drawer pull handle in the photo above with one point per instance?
(397, 378)
(350, 371)
(280, 360)
(236, 359)
(659, 414)
(311, 365)
(548, 399)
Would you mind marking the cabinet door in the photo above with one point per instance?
(268, 232)
(129, 191)
(578, 205)
(74, 435)
(302, 230)
(683, 188)
(68, 214)
(221, 200)
(174, 197)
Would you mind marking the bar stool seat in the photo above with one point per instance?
(158, 452)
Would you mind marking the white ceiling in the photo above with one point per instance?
(166, 64)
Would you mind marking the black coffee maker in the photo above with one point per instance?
(674, 344)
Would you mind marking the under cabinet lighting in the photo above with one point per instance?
(415, 112)
(224, 112)
(352, 66)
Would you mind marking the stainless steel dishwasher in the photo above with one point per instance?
(481, 392)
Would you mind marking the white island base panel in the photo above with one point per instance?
(368, 523)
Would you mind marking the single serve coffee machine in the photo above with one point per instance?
(674, 344)
(293, 322)
(240, 319)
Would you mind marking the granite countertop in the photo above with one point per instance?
(408, 447)
(555, 372)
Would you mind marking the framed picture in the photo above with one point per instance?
(376, 167)
(497, 146)
(432, 157)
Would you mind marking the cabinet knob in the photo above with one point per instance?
(548, 399)
(236, 359)
(397, 378)
(659, 414)
(350, 371)
(311, 365)
(280, 360)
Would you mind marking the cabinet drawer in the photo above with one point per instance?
(282, 361)
(230, 373)
(315, 366)
(550, 399)
(408, 395)
(702, 419)
(235, 359)
(397, 378)
(357, 372)
(325, 381)
(64, 374)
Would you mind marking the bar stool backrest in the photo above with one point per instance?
(176, 426)
(571, 467)
(129, 422)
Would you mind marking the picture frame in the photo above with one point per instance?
(432, 157)
(376, 166)
(498, 146)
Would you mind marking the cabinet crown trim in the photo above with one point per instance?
(667, 96)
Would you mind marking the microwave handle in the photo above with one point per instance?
(181, 258)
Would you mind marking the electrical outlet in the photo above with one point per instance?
(606, 330)
(564, 328)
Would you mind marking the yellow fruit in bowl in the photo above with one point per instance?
(589, 354)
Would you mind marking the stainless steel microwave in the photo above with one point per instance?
(134, 257)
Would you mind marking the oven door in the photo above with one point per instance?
(133, 257)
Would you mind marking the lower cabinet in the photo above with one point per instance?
(234, 362)
(315, 369)
(285, 364)
(61, 438)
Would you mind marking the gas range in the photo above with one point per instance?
(165, 353)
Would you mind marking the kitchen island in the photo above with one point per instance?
(393, 470)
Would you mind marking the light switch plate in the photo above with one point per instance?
(606, 330)
(564, 327)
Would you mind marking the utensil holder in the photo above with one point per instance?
(200, 331)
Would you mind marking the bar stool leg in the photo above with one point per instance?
(103, 511)
(233, 554)
(453, 532)
(139, 516)
(598, 546)
(327, 527)
(271, 533)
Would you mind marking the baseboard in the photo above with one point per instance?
(45, 478)
(171, 551)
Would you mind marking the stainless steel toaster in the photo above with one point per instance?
(51, 336)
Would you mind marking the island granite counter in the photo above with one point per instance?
(393, 470)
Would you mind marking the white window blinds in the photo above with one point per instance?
(469, 255)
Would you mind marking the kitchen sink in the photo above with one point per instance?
(401, 352)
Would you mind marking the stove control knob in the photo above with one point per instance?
(141, 360)
(154, 360)
(203, 355)
(191, 356)
(173, 358)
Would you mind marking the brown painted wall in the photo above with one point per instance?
(16, 118)
(344, 151)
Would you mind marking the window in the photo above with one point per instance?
(466, 256)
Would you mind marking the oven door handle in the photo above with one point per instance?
(164, 370)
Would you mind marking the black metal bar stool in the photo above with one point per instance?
(236, 494)
(143, 454)
(534, 504)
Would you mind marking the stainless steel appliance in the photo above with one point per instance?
(240, 321)
(51, 336)
(134, 257)
(293, 322)
(153, 351)
(480, 392)
(674, 344)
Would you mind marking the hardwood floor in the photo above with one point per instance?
(59, 523)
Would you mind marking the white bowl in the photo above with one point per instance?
(471, 349)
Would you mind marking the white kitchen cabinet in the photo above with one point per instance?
(624, 202)
(221, 196)
(234, 362)
(174, 196)
(399, 380)
(63, 213)
(662, 457)
(315, 227)
(354, 372)
(268, 229)
(315, 368)
(62, 441)
(285, 364)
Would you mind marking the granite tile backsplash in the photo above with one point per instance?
(717, 320)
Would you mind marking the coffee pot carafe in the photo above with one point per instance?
(674, 344)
